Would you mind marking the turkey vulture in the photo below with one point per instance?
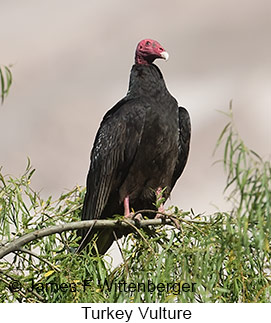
(140, 148)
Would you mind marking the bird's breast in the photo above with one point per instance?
(156, 156)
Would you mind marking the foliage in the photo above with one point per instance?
(223, 257)
(5, 82)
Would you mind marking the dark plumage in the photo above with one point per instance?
(141, 146)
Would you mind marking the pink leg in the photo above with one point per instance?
(126, 207)
(161, 208)
(127, 214)
(159, 197)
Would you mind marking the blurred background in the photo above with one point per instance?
(71, 63)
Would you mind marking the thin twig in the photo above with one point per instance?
(86, 235)
(40, 258)
(193, 225)
(124, 261)
(190, 222)
(18, 291)
(135, 228)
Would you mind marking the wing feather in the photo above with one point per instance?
(113, 151)
(184, 143)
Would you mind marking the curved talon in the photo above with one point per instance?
(137, 217)
(133, 216)
(160, 216)
(129, 216)
(171, 217)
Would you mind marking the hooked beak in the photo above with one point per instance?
(165, 55)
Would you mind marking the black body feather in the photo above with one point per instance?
(142, 144)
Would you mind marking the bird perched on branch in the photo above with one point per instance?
(140, 149)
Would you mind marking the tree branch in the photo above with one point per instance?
(17, 244)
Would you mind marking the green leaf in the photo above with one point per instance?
(5, 81)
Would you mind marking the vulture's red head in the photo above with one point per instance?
(148, 50)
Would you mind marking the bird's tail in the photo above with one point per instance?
(97, 241)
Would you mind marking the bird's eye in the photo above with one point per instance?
(148, 43)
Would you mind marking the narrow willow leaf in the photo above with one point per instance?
(5, 81)
(2, 85)
(218, 143)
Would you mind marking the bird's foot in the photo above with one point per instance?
(161, 212)
(162, 215)
(133, 216)
(137, 217)
(130, 215)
